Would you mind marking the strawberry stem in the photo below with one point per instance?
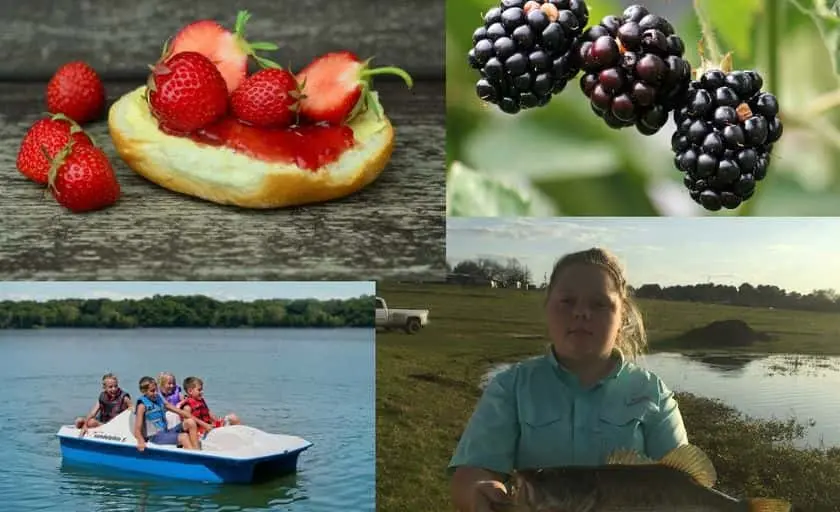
(250, 49)
(388, 70)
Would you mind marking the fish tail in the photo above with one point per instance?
(767, 505)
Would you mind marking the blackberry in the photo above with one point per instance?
(523, 51)
(725, 135)
(634, 71)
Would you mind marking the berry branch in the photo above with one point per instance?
(709, 38)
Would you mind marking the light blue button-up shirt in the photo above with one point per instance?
(535, 414)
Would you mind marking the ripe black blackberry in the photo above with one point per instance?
(523, 51)
(724, 138)
(634, 71)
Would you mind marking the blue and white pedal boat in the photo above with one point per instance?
(230, 454)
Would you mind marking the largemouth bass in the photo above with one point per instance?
(682, 481)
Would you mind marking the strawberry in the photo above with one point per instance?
(337, 87)
(228, 51)
(186, 92)
(268, 98)
(81, 178)
(45, 138)
(76, 91)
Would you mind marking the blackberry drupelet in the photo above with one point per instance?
(523, 51)
(634, 71)
(725, 135)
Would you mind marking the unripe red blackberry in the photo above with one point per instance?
(634, 71)
(725, 135)
(523, 51)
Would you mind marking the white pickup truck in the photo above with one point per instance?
(409, 320)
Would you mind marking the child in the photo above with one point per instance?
(197, 407)
(150, 423)
(112, 401)
(169, 389)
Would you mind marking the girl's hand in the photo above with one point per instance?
(490, 496)
(141, 445)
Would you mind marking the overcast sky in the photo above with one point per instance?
(218, 290)
(801, 254)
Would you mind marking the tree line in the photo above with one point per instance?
(187, 311)
(483, 270)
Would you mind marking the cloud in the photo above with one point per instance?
(526, 229)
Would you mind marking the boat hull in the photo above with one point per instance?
(114, 447)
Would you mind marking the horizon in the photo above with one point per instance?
(247, 291)
(797, 255)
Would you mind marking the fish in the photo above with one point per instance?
(682, 481)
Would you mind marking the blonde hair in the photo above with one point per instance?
(110, 376)
(162, 376)
(632, 338)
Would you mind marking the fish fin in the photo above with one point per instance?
(768, 505)
(628, 458)
(691, 460)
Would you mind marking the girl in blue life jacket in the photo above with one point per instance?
(150, 423)
(580, 401)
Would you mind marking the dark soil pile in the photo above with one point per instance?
(723, 333)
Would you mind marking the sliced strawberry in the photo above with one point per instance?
(337, 87)
(229, 51)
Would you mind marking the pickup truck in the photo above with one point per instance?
(409, 320)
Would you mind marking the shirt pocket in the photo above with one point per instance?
(544, 438)
(621, 426)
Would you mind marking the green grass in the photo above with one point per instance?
(427, 388)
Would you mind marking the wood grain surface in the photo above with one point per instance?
(120, 37)
(393, 229)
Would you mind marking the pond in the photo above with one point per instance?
(314, 383)
(780, 386)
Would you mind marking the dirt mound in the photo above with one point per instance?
(723, 333)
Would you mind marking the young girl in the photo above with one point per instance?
(194, 403)
(580, 401)
(169, 389)
(112, 401)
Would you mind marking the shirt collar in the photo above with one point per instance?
(570, 379)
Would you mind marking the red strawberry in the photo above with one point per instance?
(337, 87)
(228, 51)
(82, 179)
(76, 91)
(269, 97)
(186, 92)
(48, 135)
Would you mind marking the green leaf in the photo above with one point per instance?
(733, 20)
(616, 194)
(827, 22)
(525, 150)
(264, 46)
(473, 194)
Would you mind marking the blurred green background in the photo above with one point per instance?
(563, 160)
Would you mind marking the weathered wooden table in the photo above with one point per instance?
(393, 229)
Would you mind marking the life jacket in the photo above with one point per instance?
(110, 408)
(155, 415)
(199, 409)
(175, 398)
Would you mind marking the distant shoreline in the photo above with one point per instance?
(193, 327)
(187, 311)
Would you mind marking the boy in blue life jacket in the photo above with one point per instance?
(150, 423)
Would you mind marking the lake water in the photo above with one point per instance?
(317, 384)
(770, 387)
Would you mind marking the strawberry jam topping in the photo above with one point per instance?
(307, 146)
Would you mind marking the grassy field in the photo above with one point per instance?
(427, 388)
